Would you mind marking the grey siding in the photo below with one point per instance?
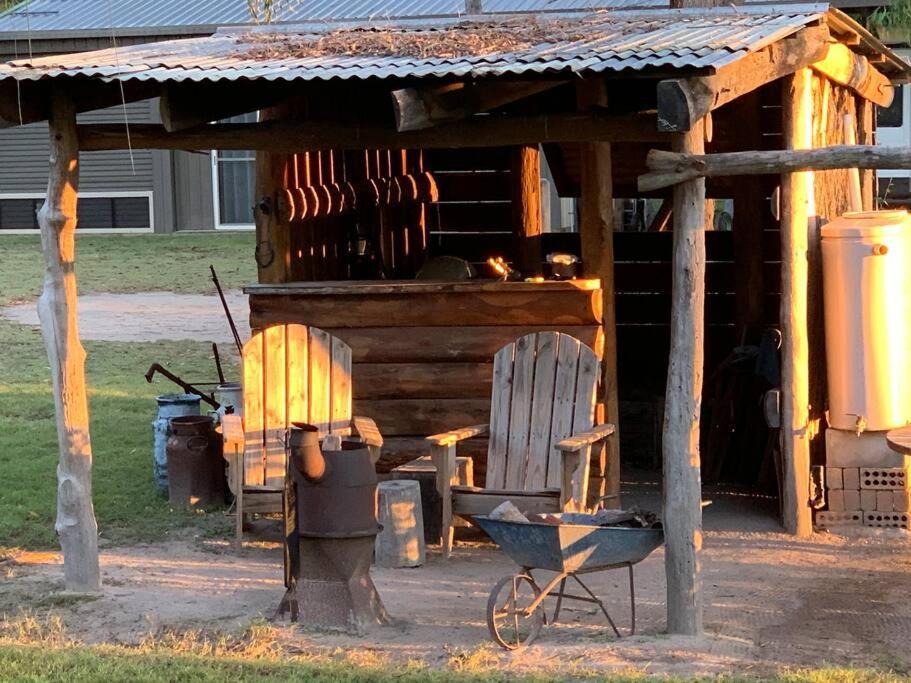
(24, 160)
(24, 157)
(192, 183)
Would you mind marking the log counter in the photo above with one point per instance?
(423, 350)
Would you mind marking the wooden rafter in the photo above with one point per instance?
(683, 101)
(422, 107)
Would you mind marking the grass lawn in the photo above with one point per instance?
(121, 402)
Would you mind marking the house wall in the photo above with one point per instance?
(177, 185)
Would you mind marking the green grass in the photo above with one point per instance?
(34, 663)
(121, 402)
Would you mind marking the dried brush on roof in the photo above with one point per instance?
(470, 38)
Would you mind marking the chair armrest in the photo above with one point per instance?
(232, 429)
(456, 435)
(368, 431)
(579, 441)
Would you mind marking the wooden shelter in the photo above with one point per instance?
(381, 146)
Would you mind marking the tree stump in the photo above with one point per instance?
(401, 542)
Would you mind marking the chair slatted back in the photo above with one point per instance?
(544, 390)
(291, 373)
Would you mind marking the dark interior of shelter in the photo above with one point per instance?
(462, 203)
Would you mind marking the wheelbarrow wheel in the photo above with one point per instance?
(511, 624)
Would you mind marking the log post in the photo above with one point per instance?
(682, 479)
(273, 230)
(270, 214)
(597, 234)
(57, 310)
(796, 212)
(525, 192)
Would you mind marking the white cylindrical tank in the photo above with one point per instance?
(867, 290)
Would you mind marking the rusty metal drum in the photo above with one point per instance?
(196, 469)
(342, 502)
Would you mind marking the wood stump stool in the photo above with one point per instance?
(424, 472)
(401, 541)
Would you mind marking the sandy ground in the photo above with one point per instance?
(150, 316)
(772, 602)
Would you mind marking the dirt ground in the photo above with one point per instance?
(150, 316)
(772, 602)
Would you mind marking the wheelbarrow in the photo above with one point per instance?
(515, 609)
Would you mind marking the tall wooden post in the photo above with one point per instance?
(75, 525)
(796, 212)
(273, 229)
(682, 478)
(525, 180)
(597, 234)
(596, 231)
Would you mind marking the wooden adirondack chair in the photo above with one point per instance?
(291, 373)
(541, 432)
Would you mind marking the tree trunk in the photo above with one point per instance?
(682, 480)
(796, 212)
(75, 525)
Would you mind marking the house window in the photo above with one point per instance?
(103, 213)
(893, 115)
(233, 175)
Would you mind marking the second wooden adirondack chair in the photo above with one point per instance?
(291, 373)
(541, 432)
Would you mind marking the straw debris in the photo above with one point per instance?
(461, 40)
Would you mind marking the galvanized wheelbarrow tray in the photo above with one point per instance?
(515, 609)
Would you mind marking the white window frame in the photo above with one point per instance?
(148, 194)
(216, 202)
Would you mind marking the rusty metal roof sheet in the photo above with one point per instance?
(623, 40)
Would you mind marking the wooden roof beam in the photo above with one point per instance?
(683, 101)
(287, 135)
(422, 107)
(847, 68)
(669, 168)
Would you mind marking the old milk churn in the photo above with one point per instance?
(231, 397)
(196, 470)
(169, 405)
(330, 532)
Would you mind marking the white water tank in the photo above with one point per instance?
(867, 290)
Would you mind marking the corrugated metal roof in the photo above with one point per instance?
(130, 16)
(611, 41)
(150, 17)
